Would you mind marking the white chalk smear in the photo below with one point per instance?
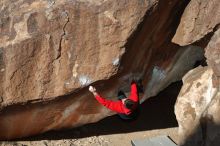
(74, 70)
(84, 80)
(116, 62)
(158, 73)
(157, 76)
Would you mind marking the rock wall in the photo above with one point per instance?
(197, 107)
(52, 50)
(200, 18)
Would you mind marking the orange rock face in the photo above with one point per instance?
(58, 47)
(52, 50)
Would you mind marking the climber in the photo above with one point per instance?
(126, 107)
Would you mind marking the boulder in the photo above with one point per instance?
(199, 19)
(197, 106)
(212, 53)
(197, 109)
(51, 51)
(51, 48)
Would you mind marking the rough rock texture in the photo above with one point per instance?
(51, 51)
(199, 18)
(213, 57)
(197, 109)
(51, 48)
(198, 106)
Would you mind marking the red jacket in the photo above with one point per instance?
(118, 106)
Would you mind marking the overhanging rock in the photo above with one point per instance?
(52, 50)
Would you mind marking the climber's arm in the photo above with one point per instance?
(112, 105)
(134, 92)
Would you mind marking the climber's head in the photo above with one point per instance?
(128, 103)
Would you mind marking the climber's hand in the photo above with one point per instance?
(92, 89)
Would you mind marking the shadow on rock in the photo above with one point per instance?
(206, 134)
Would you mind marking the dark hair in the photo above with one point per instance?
(129, 104)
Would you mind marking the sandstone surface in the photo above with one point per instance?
(200, 18)
(212, 54)
(51, 48)
(51, 51)
(197, 109)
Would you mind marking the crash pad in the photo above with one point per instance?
(155, 141)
